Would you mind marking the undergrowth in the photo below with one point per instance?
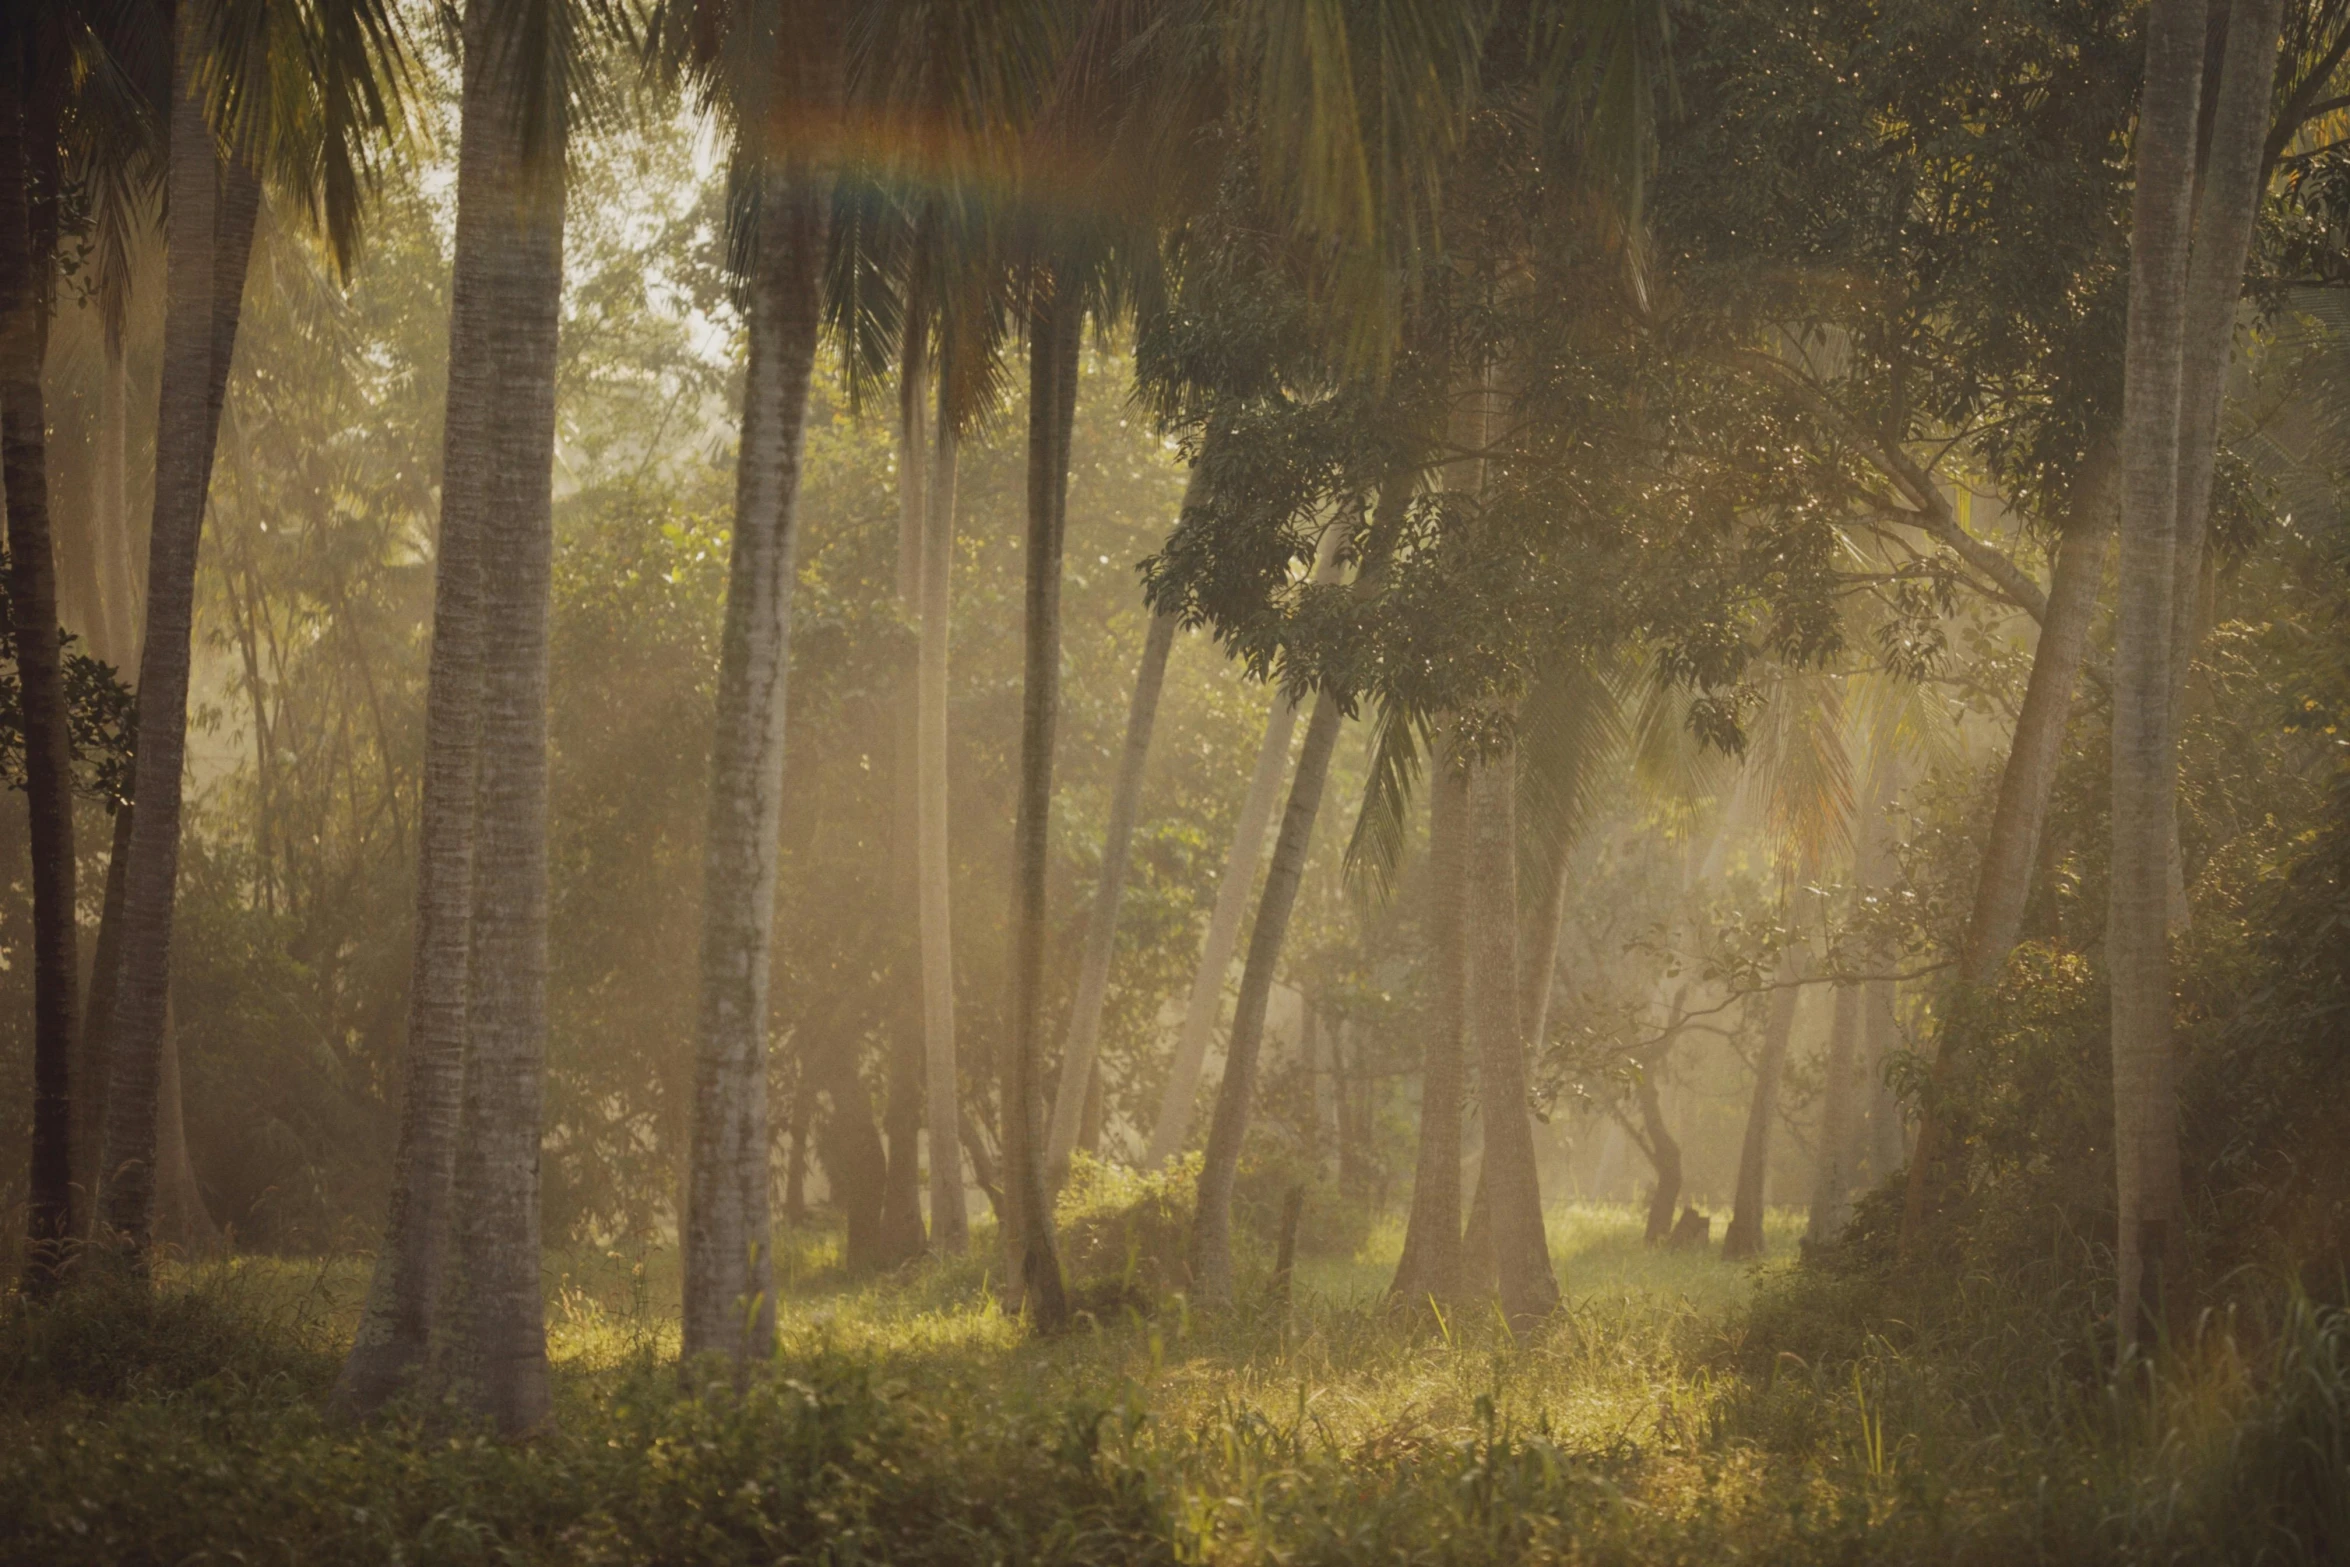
(1676, 1410)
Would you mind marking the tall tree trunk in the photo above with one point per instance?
(1430, 1267)
(2003, 884)
(181, 1220)
(729, 1290)
(1081, 1054)
(856, 1166)
(90, 1069)
(1831, 1194)
(901, 1207)
(1744, 1238)
(2137, 947)
(1512, 1183)
(1052, 404)
(396, 1327)
(490, 1336)
(28, 240)
(110, 521)
(949, 1228)
(1205, 1007)
(1211, 1224)
(212, 208)
(2227, 200)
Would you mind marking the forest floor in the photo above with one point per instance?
(1679, 1409)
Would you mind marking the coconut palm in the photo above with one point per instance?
(301, 98)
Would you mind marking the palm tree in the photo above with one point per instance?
(1056, 317)
(1744, 1237)
(1431, 1266)
(32, 79)
(255, 90)
(1211, 1228)
(1205, 1007)
(782, 94)
(1512, 1186)
(1081, 1047)
(949, 1226)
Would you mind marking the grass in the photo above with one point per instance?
(1677, 1410)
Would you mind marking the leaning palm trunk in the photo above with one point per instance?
(2003, 884)
(949, 1227)
(1028, 1232)
(1744, 1238)
(1211, 1225)
(2137, 951)
(1206, 1004)
(2228, 197)
(729, 1297)
(90, 1074)
(490, 1334)
(1511, 1183)
(28, 240)
(212, 210)
(1081, 1053)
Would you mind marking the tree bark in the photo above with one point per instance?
(1052, 360)
(2226, 203)
(1744, 1238)
(2137, 948)
(90, 1069)
(901, 1208)
(1081, 1053)
(1430, 1267)
(729, 1295)
(490, 1336)
(1211, 1224)
(1831, 1196)
(212, 208)
(2003, 884)
(1205, 1007)
(949, 1228)
(181, 1219)
(28, 239)
(1512, 1183)
(396, 1326)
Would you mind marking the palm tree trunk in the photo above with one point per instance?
(210, 239)
(1052, 380)
(28, 238)
(1431, 1265)
(396, 1327)
(949, 1228)
(181, 1220)
(729, 1295)
(2227, 200)
(1205, 1007)
(90, 1069)
(1511, 1181)
(490, 1336)
(2137, 949)
(1744, 1238)
(1211, 1225)
(901, 1208)
(1081, 1054)
(2003, 884)
(1831, 1196)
